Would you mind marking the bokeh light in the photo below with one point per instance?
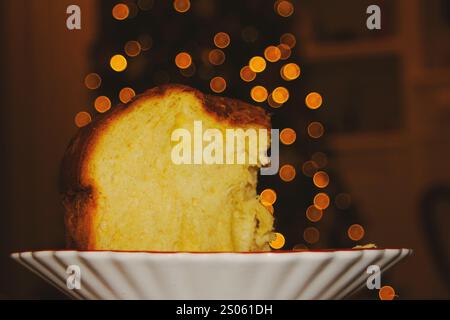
(257, 64)
(126, 94)
(355, 232)
(120, 11)
(118, 63)
(288, 136)
(316, 130)
(311, 235)
(222, 40)
(278, 241)
(92, 81)
(285, 51)
(386, 293)
(309, 168)
(272, 54)
(216, 57)
(290, 71)
(314, 100)
(82, 119)
(146, 42)
(183, 60)
(287, 173)
(102, 104)
(272, 103)
(270, 209)
(320, 159)
(258, 93)
(247, 74)
(218, 84)
(289, 40)
(280, 95)
(314, 214)
(268, 197)
(182, 5)
(284, 8)
(321, 179)
(132, 48)
(322, 201)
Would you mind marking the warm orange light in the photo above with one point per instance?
(278, 241)
(120, 11)
(216, 57)
(289, 40)
(285, 51)
(183, 60)
(272, 54)
(132, 48)
(102, 104)
(386, 293)
(321, 179)
(314, 214)
(222, 40)
(311, 235)
(290, 71)
(309, 168)
(92, 81)
(272, 103)
(247, 74)
(322, 201)
(355, 232)
(259, 93)
(343, 201)
(280, 95)
(270, 209)
(118, 63)
(257, 64)
(268, 197)
(126, 94)
(316, 130)
(288, 136)
(285, 8)
(182, 5)
(287, 173)
(82, 119)
(218, 84)
(314, 100)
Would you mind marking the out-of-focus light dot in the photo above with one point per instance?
(300, 247)
(278, 241)
(188, 72)
(270, 209)
(145, 4)
(247, 74)
(272, 54)
(320, 159)
(321, 179)
(311, 235)
(216, 57)
(284, 8)
(120, 11)
(289, 40)
(183, 60)
(126, 94)
(280, 95)
(285, 51)
(290, 71)
(343, 201)
(316, 130)
(355, 232)
(314, 214)
(322, 201)
(259, 93)
(134, 10)
(314, 100)
(145, 41)
(257, 64)
(132, 48)
(288, 136)
(82, 119)
(182, 5)
(92, 81)
(386, 293)
(272, 103)
(102, 104)
(218, 84)
(268, 197)
(118, 63)
(222, 40)
(287, 173)
(309, 168)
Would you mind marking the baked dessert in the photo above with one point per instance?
(122, 191)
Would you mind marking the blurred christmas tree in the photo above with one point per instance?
(209, 45)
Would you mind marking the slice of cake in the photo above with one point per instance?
(122, 189)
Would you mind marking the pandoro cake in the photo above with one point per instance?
(122, 190)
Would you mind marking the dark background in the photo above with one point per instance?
(386, 115)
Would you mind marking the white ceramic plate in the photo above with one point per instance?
(246, 276)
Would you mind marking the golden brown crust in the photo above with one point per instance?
(78, 195)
